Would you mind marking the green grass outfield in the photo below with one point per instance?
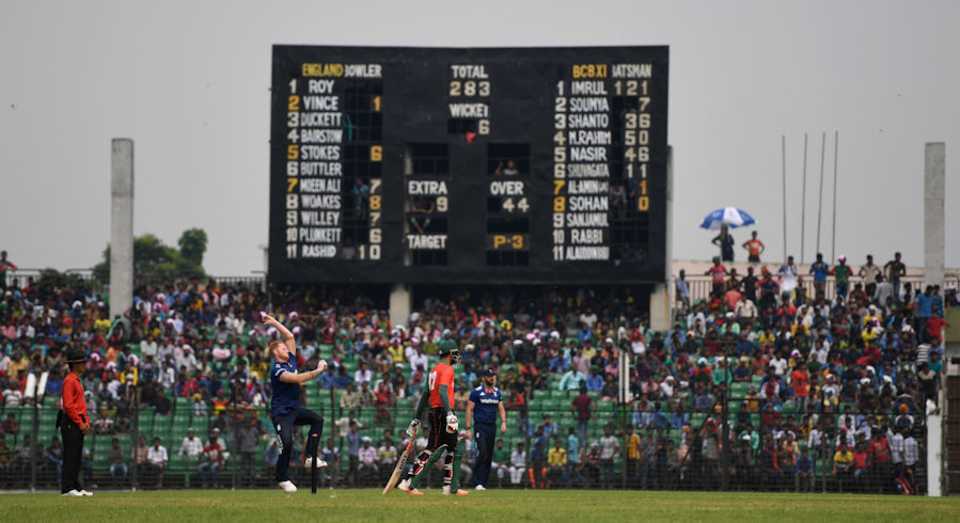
(503, 506)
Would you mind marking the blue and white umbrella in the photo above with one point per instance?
(730, 216)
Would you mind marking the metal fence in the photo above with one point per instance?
(739, 442)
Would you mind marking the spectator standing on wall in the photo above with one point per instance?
(754, 248)
(819, 269)
(841, 272)
(788, 277)
(869, 272)
(5, 265)
(725, 241)
(683, 290)
(895, 270)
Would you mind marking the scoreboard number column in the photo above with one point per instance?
(559, 172)
(293, 170)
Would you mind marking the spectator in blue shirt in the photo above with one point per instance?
(937, 302)
(595, 381)
(573, 457)
(819, 269)
(924, 311)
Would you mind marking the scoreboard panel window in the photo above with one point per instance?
(469, 165)
(426, 202)
(508, 210)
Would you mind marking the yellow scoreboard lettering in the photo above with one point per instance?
(376, 153)
(322, 70)
(293, 152)
(589, 71)
(559, 204)
(508, 241)
(643, 204)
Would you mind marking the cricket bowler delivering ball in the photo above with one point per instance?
(444, 425)
(286, 411)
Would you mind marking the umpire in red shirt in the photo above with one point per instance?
(74, 423)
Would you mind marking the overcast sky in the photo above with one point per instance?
(188, 81)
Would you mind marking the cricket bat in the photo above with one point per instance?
(401, 462)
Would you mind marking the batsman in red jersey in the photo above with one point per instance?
(444, 425)
(74, 423)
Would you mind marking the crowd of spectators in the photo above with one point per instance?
(828, 380)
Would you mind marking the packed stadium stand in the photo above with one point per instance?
(757, 386)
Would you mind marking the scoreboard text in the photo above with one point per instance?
(419, 165)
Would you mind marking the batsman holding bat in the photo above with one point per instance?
(286, 412)
(444, 425)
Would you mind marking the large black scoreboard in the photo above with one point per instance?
(480, 165)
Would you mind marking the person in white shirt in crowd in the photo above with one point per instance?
(368, 460)
(168, 376)
(779, 364)
(199, 406)
(12, 397)
(609, 449)
(149, 347)
(896, 449)
(362, 374)
(418, 360)
(178, 323)
(667, 386)
(588, 318)
(191, 447)
(911, 454)
(187, 359)
(157, 460)
(746, 309)
(518, 464)
(167, 351)
(5, 363)
(788, 277)
(820, 351)
(815, 443)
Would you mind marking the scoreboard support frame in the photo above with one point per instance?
(401, 304)
(662, 297)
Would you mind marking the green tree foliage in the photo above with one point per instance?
(52, 280)
(193, 245)
(156, 263)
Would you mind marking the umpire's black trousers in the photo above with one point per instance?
(72, 438)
